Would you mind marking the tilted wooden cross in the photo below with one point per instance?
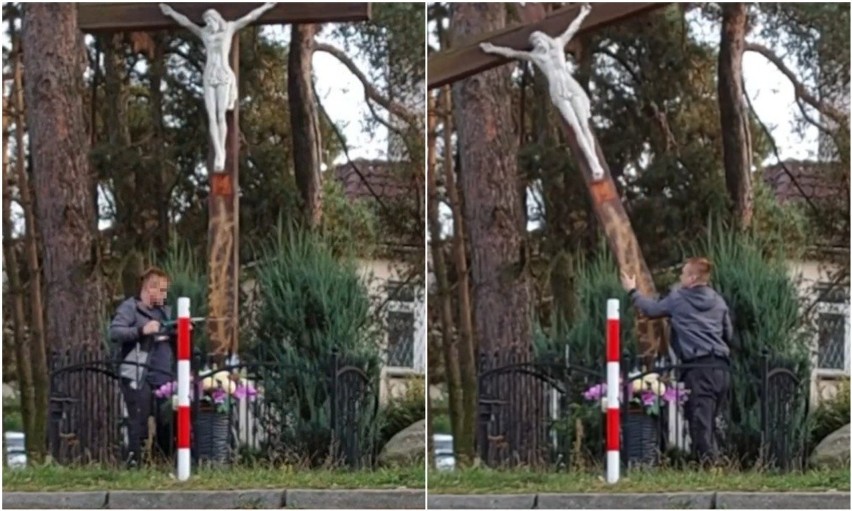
(223, 204)
(455, 64)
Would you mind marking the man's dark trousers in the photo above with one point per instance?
(708, 397)
(141, 404)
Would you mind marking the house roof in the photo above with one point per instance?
(805, 180)
(387, 184)
(374, 179)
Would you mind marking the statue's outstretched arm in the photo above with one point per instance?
(505, 52)
(565, 37)
(181, 19)
(253, 16)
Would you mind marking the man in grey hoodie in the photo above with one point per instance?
(147, 359)
(702, 334)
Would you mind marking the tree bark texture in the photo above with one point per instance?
(37, 342)
(502, 300)
(464, 442)
(16, 290)
(53, 66)
(449, 339)
(736, 139)
(63, 182)
(307, 155)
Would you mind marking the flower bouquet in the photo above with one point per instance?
(217, 392)
(648, 393)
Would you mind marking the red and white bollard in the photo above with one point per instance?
(183, 384)
(613, 370)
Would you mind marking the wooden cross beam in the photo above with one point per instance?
(466, 60)
(459, 63)
(125, 17)
(223, 203)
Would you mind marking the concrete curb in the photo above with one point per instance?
(55, 500)
(249, 499)
(415, 499)
(235, 499)
(491, 501)
(685, 500)
(626, 501)
(356, 499)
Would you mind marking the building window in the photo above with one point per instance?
(832, 323)
(401, 325)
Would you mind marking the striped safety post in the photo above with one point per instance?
(613, 371)
(183, 383)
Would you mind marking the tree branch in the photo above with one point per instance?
(801, 92)
(369, 91)
(777, 154)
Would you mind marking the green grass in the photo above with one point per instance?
(530, 481)
(54, 478)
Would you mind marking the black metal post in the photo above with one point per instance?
(764, 405)
(335, 369)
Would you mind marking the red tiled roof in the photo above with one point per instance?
(377, 178)
(815, 180)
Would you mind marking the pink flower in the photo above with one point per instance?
(245, 391)
(596, 392)
(166, 390)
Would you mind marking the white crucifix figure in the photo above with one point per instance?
(220, 82)
(548, 54)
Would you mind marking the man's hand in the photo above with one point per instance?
(166, 9)
(151, 327)
(586, 9)
(487, 47)
(628, 281)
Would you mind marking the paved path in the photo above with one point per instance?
(235, 499)
(685, 500)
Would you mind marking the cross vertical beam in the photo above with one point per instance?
(223, 234)
(620, 238)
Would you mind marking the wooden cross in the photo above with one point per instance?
(223, 203)
(468, 59)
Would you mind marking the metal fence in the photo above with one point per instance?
(331, 421)
(552, 414)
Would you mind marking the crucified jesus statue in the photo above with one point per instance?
(220, 82)
(548, 54)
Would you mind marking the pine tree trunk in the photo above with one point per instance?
(736, 139)
(38, 344)
(307, 156)
(465, 441)
(449, 339)
(502, 300)
(16, 291)
(63, 180)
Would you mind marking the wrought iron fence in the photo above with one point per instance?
(552, 413)
(89, 420)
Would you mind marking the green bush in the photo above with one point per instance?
(831, 414)
(309, 306)
(12, 418)
(401, 413)
(187, 278)
(579, 430)
(767, 318)
(596, 281)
